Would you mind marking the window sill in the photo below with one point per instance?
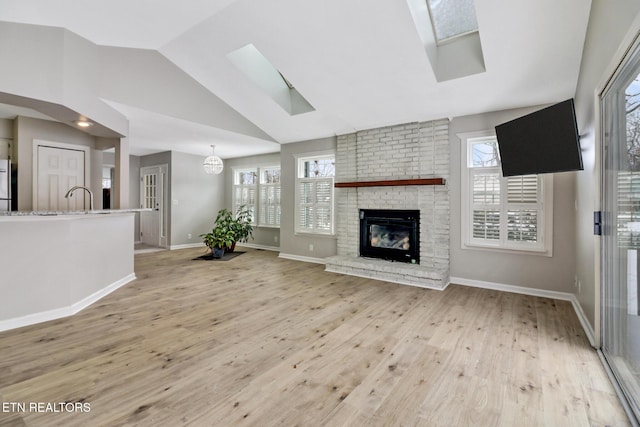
(546, 252)
(311, 234)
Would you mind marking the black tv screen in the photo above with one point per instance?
(544, 141)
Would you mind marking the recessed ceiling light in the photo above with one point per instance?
(83, 123)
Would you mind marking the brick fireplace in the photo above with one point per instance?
(404, 152)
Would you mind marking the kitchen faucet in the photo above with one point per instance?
(74, 188)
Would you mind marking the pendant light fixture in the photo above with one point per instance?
(213, 164)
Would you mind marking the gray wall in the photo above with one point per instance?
(195, 199)
(533, 271)
(6, 128)
(609, 23)
(134, 193)
(263, 236)
(192, 198)
(26, 130)
(157, 159)
(290, 242)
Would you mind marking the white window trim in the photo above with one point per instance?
(297, 229)
(258, 170)
(545, 246)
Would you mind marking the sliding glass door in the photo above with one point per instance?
(621, 233)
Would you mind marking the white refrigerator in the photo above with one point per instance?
(5, 185)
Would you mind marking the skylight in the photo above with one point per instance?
(449, 32)
(265, 75)
(452, 18)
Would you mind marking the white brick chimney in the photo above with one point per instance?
(409, 151)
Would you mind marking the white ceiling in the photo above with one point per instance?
(359, 63)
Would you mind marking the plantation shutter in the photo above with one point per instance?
(306, 196)
(314, 194)
(511, 213)
(324, 203)
(245, 191)
(523, 208)
(486, 205)
(270, 205)
(269, 197)
(315, 204)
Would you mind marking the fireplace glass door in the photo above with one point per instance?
(390, 234)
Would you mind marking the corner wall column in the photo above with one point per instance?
(121, 188)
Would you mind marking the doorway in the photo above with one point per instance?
(620, 308)
(153, 191)
(58, 167)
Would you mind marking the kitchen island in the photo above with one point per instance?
(54, 264)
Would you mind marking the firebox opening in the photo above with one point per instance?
(390, 234)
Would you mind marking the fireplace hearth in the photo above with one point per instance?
(390, 234)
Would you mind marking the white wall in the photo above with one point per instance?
(53, 266)
(181, 96)
(57, 66)
(609, 23)
(532, 271)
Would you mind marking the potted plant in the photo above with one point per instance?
(241, 225)
(238, 225)
(217, 240)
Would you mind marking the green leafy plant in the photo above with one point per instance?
(241, 225)
(229, 229)
(218, 237)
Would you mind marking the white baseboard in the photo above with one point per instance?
(302, 258)
(248, 245)
(58, 313)
(263, 247)
(563, 296)
(584, 322)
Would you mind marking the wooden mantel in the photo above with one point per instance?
(391, 183)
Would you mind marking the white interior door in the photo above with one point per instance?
(58, 170)
(153, 222)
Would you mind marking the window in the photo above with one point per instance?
(259, 190)
(314, 194)
(512, 213)
(269, 200)
(149, 190)
(245, 189)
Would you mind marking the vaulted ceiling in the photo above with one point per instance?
(166, 65)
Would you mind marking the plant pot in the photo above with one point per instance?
(217, 253)
(231, 248)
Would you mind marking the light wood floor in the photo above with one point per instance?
(264, 341)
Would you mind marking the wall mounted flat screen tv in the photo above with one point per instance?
(544, 141)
